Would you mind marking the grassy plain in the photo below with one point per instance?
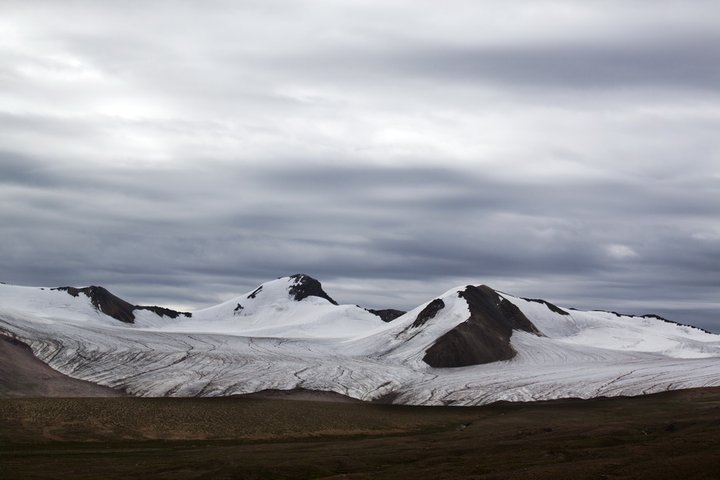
(674, 435)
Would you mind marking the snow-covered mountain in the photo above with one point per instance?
(471, 345)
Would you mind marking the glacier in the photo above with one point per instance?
(288, 334)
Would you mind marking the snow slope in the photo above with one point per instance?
(289, 334)
(271, 311)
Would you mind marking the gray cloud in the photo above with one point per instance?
(180, 155)
(677, 63)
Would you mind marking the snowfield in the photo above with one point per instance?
(270, 339)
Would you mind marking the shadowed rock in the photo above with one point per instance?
(306, 286)
(655, 317)
(162, 311)
(485, 336)
(428, 312)
(549, 305)
(116, 307)
(105, 301)
(388, 314)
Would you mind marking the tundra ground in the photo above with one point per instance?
(663, 436)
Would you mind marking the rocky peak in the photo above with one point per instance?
(485, 336)
(305, 286)
(116, 307)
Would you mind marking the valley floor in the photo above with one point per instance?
(664, 436)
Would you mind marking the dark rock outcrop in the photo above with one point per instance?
(306, 286)
(255, 292)
(485, 336)
(549, 305)
(655, 317)
(116, 307)
(162, 311)
(663, 319)
(430, 310)
(388, 314)
(106, 302)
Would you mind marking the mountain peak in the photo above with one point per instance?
(484, 337)
(105, 302)
(306, 286)
(116, 307)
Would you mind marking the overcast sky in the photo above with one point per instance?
(180, 153)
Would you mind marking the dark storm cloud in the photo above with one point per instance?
(416, 235)
(16, 169)
(180, 155)
(681, 63)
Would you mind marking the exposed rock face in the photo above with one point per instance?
(662, 319)
(485, 336)
(428, 312)
(106, 302)
(388, 314)
(116, 307)
(306, 286)
(162, 311)
(654, 316)
(551, 306)
(255, 292)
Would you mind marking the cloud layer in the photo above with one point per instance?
(180, 154)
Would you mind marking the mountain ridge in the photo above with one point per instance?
(115, 306)
(470, 345)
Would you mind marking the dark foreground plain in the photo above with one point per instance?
(674, 435)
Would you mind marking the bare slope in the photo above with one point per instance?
(23, 375)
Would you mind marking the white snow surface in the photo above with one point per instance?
(272, 312)
(276, 342)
